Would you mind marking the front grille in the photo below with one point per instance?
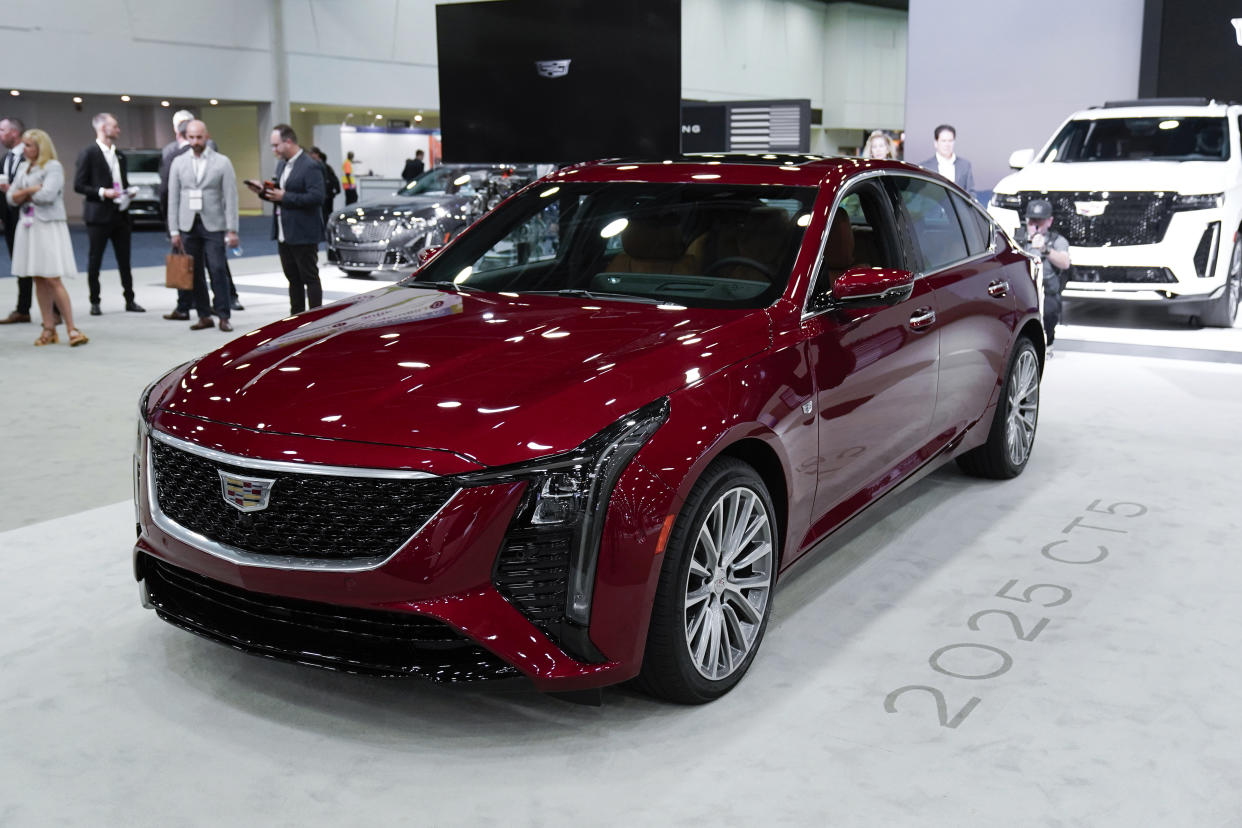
(310, 516)
(532, 572)
(354, 640)
(1129, 218)
(349, 255)
(1126, 275)
(368, 232)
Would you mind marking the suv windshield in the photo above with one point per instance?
(444, 180)
(1142, 139)
(700, 245)
(141, 160)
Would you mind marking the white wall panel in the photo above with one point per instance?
(1005, 74)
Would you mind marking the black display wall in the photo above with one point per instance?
(1191, 49)
(507, 93)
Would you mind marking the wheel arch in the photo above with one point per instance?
(760, 456)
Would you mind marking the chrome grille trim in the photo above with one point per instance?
(286, 466)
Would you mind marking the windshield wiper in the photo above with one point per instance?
(579, 293)
(446, 285)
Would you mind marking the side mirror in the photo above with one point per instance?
(863, 286)
(427, 252)
(1021, 158)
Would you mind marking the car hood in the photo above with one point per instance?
(497, 379)
(396, 203)
(1083, 176)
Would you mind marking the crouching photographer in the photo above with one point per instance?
(1039, 239)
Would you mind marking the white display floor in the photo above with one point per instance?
(1107, 699)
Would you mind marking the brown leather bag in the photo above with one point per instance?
(179, 271)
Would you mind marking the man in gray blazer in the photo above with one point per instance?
(947, 162)
(202, 220)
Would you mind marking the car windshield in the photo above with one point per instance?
(699, 245)
(1141, 139)
(137, 160)
(444, 180)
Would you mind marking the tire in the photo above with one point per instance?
(709, 615)
(1012, 435)
(1222, 311)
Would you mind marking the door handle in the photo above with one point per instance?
(922, 319)
(998, 289)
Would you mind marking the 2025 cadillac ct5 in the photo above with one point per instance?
(583, 441)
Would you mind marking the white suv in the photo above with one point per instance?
(1149, 196)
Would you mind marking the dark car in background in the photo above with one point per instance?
(142, 167)
(581, 442)
(391, 233)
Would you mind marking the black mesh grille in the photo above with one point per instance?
(532, 571)
(1126, 275)
(325, 635)
(1129, 218)
(308, 516)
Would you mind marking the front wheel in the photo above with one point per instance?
(1012, 435)
(1221, 312)
(715, 592)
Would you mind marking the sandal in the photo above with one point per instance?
(48, 337)
(77, 338)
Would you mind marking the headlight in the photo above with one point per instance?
(1205, 201)
(1007, 201)
(569, 493)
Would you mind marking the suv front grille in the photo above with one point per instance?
(373, 642)
(309, 516)
(1129, 218)
(368, 232)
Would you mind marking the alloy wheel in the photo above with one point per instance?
(728, 583)
(1023, 407)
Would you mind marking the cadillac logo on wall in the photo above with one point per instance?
(245, 494)
(552, 68)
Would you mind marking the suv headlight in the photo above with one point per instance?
(1205, 201)
(569, 493)
(1007, 201)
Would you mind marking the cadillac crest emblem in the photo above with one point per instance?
(552, 68)
(245, 494)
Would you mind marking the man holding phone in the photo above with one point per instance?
(297, 226)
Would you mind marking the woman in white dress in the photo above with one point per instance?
(41, 247)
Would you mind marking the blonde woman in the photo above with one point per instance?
(879, 146)
(41, 248)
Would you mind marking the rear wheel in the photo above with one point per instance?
(1222, 311)
(1012, 435)
(715, 592)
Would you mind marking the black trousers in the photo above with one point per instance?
(115, 231)
(351, 195)
(207, 248)
(25, 284)
(300, 262)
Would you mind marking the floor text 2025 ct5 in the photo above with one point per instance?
(583, 441)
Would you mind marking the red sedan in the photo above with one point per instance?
(581, 442)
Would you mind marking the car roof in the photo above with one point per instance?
(724, 168)
(1155, 108)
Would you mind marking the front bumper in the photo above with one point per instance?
(372, 256)
(432, 609)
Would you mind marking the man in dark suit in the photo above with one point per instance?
(11, 160)
(102, 179)
(413, 167)
(297, 225)
(947, 162)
